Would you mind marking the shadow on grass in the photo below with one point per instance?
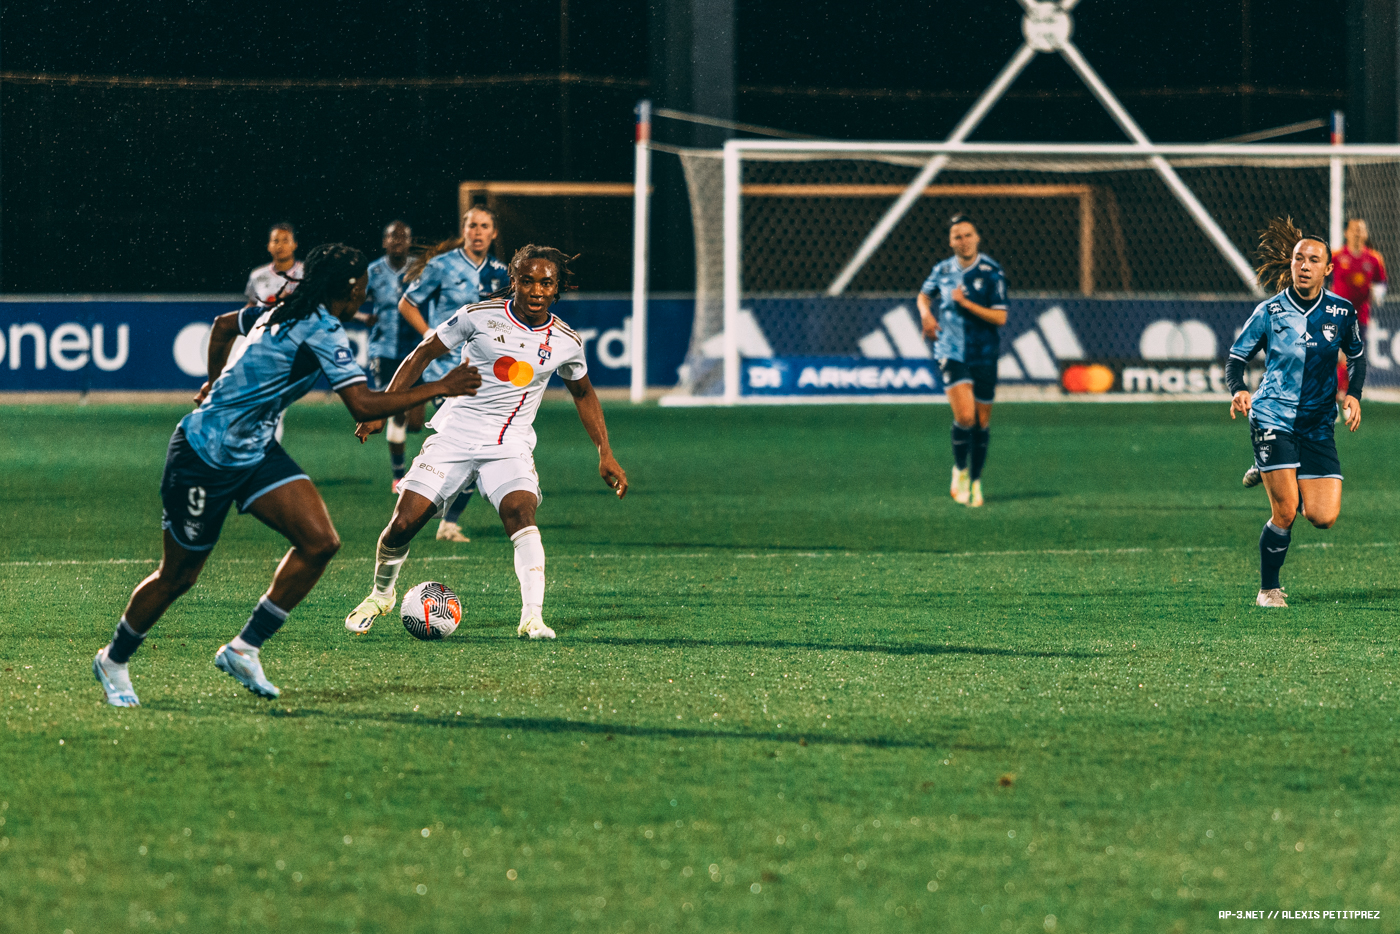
(609, 730)
(1001, 497)
(911, 648)
(1370, 598)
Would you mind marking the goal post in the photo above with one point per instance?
(778, 221)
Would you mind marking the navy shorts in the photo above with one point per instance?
(195, 496)
(982, 376)
(1313, 458)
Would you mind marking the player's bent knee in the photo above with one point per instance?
(179, 581)
(321, 550)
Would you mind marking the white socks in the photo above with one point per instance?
(529, 566)
(389, 561)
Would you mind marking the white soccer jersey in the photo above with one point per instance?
(515, 361)
(264, 282)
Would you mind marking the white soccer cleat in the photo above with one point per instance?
(533, 627)
(450, 532)
(974, 496)
(246, 668)
(115, 680)
(371, 608)
(960, 488)
(1272, 597)
(1252, 477)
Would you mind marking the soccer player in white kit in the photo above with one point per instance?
(279, 278)
(517, 343)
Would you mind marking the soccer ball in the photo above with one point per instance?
(431, 611)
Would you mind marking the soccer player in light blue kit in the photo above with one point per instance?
(962, 303)
(452, 275)
(391, 338)
(1293, 412)
(224, 453)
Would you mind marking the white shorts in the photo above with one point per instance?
(445, 468)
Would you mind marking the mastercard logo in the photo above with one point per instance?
(513, 371)
(1092, 378)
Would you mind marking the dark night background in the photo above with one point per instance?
(170, 189)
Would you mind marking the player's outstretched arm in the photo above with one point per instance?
(590, 412)
(370, 408)
(221, 338)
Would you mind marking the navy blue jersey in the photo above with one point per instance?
(391, 337)
(961, 334)
(273, 368)
(1300, 341)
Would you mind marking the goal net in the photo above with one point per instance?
(1100, 238)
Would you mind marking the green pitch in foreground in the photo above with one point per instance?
(795, 688)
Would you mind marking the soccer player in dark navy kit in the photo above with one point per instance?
(452, 275)
(962, 304)
(224, 453)
(392, 338)
(1293, 412)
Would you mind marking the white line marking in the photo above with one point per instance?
(662, 556)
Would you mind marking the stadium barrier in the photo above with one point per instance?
(155, 343)
(814, 347)
(830, 347)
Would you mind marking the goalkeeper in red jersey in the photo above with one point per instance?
(1358, 275)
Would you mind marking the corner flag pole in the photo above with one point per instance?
(641, 205)
(1336, 231)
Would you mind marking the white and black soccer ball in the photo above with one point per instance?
(431, 611)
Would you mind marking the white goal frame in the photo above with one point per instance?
(735, 151)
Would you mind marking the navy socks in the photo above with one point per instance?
(125, 642)
(981, 438)
(267, 618)
(1273, 550)
(396, 461)
(962, 444)
(455, 510)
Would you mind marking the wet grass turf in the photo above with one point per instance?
(795, 689)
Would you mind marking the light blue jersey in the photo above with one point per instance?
(391, 337)
(275, 367)
(1300, 341)
(447, 283)
(963, 336)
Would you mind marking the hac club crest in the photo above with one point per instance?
(1329, 332)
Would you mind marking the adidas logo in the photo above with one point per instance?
(900, 336)
(1035, 352)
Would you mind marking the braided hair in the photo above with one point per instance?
(529, 251)
(330, 272)
(1276, 244)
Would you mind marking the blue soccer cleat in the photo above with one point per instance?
(115, 680)
(247, 669)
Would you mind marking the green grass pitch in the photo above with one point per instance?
(796, 689)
